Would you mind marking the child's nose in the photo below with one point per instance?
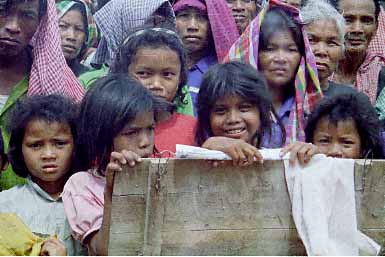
(48, 153)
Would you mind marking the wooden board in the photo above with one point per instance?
(187, 207)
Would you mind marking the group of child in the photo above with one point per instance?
(69, 152)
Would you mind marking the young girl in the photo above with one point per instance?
(116, 128)
(344, 126)
(235, 112)
(156, 58)
(41, 149)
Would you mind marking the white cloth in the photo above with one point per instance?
(193, 152)
(324, 208)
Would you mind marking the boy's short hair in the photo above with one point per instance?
(50, 108)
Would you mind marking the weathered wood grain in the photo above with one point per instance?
(195, 209)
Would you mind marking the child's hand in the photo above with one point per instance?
(117, 161)
(53, 247)
(241, 153)
(303, 151)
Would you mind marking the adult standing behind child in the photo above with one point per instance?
(207, 30)
(281, 51)
(77, 31)
(31, 60)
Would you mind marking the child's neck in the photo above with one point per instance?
(54, 188)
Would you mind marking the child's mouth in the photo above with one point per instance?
(234, 131)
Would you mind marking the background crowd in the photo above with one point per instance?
(89, 86)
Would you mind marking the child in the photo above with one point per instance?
(344, 126)
(235, 112)
(156, 58)
(41, 149)
(115, 128)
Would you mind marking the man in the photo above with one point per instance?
(363, 65)
(244, 11)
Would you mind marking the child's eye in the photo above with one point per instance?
(130, 133)
(245, 108)
(168, 74)
(61, 143)
(142, 73)
(323, 141)
(219, 110)
(34, 145)
(348, 143)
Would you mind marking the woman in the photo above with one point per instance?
(77, 31)
(288, 66)
(31, 60)
(325, 28)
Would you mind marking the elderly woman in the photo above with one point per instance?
(325, 28)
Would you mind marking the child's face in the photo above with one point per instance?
(137, 136)
(341, 141)
(47, 150)
(158, 70)
(234, 117)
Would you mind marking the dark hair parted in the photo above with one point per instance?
(377, 6)
(112, 102)
(152, 39)
(278, 20)
(234, 79)
(5, 5)
(355, 107)
(49, 108)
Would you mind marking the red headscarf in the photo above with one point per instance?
(50, 73)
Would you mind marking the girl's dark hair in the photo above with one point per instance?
(50, 108)
(150, 38)
(234, 79)
(111, 103)
(278, 20)
(355, 107)
(6, 4)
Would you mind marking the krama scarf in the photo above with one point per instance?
(307, 86)
(367, 74)
(50, 73)
(222, 24)
(91, 33)
(118, 18)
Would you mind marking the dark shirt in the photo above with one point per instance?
(77, 68)
(338, 89)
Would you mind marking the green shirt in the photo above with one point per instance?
(8, 178)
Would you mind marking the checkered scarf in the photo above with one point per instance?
(50, 73)
(367, 74)
(222, 24)
(118, 18)
(65, 5)
(307, 86)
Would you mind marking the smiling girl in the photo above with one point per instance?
(234, 112)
